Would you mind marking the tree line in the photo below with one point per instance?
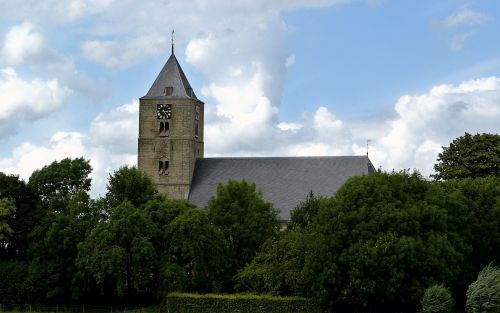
(376, 245)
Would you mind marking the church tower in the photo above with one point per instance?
(170, 131)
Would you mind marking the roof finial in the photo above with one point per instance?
(172, 41)
(367, 142)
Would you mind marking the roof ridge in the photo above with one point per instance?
(288, 157)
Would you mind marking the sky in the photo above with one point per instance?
(278, 77)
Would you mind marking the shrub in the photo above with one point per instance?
(483, 295)
(437, 299)
(209, 303)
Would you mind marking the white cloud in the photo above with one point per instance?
(464, 17)
(21, 42)
(457, 41)
(428, 121)
(108, 145)
(123, 53)
(27, 100)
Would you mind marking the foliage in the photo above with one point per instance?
(118, 253)
(14, 286)
(378, 244)
(198, 247)
(245, 219)
(483, 295)
(235, 303)
(473, 209)
(277, 268)
(303, 214)
(56, 182)
(162, 211)
(437, 299)
(7, 208)
(470, 157)
(28, 213)
(129, 183)
(60, 235)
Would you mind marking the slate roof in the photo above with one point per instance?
(284, 181)
(171, 75)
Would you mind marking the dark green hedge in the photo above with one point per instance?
(238, 303)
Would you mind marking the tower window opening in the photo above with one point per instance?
(163, 167)
(168, 91)
(164, 129)
(196, 130)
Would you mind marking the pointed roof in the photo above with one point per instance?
(171, 75)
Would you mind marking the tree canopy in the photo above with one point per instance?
(469, 156)
(56, 182)
(377, 242)
(246, 220)
(129, 183)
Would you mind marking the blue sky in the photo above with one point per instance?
(297, 77)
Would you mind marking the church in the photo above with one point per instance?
(171, 153)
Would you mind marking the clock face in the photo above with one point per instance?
(163, 111)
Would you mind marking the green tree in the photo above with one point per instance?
(162, 211)
(378, 244)
(118, 254)
(14, 287)
(199, 248)
(60, 235)
(278, 268)
(7, 208)
(129, 183)
(483, 295)
(245, 219)
(469, 156)
(57, 182)
(28, 213)
(303, 214)
(437, 299)
(473, 225)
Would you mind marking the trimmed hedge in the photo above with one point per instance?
(238, 303)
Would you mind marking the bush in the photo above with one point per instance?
(483, 295)
(209, 303)
(437, 299)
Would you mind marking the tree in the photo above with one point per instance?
(129, 183)
(303, 214)
(199, 248)
(162, 211)
(473, 225)
(469, 156)
(437, 299)
(246, 220)
(119, 256)
(483, 295)
(378, 244)
(278, 268)
(57, 182)
(27, 214)
(7, 208)
(59, 235)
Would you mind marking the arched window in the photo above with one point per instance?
(164, 129)
(163, 167)
(196, 130)
(160, 167)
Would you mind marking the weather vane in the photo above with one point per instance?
(172, 41)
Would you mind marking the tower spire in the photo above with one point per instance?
(172, 41)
